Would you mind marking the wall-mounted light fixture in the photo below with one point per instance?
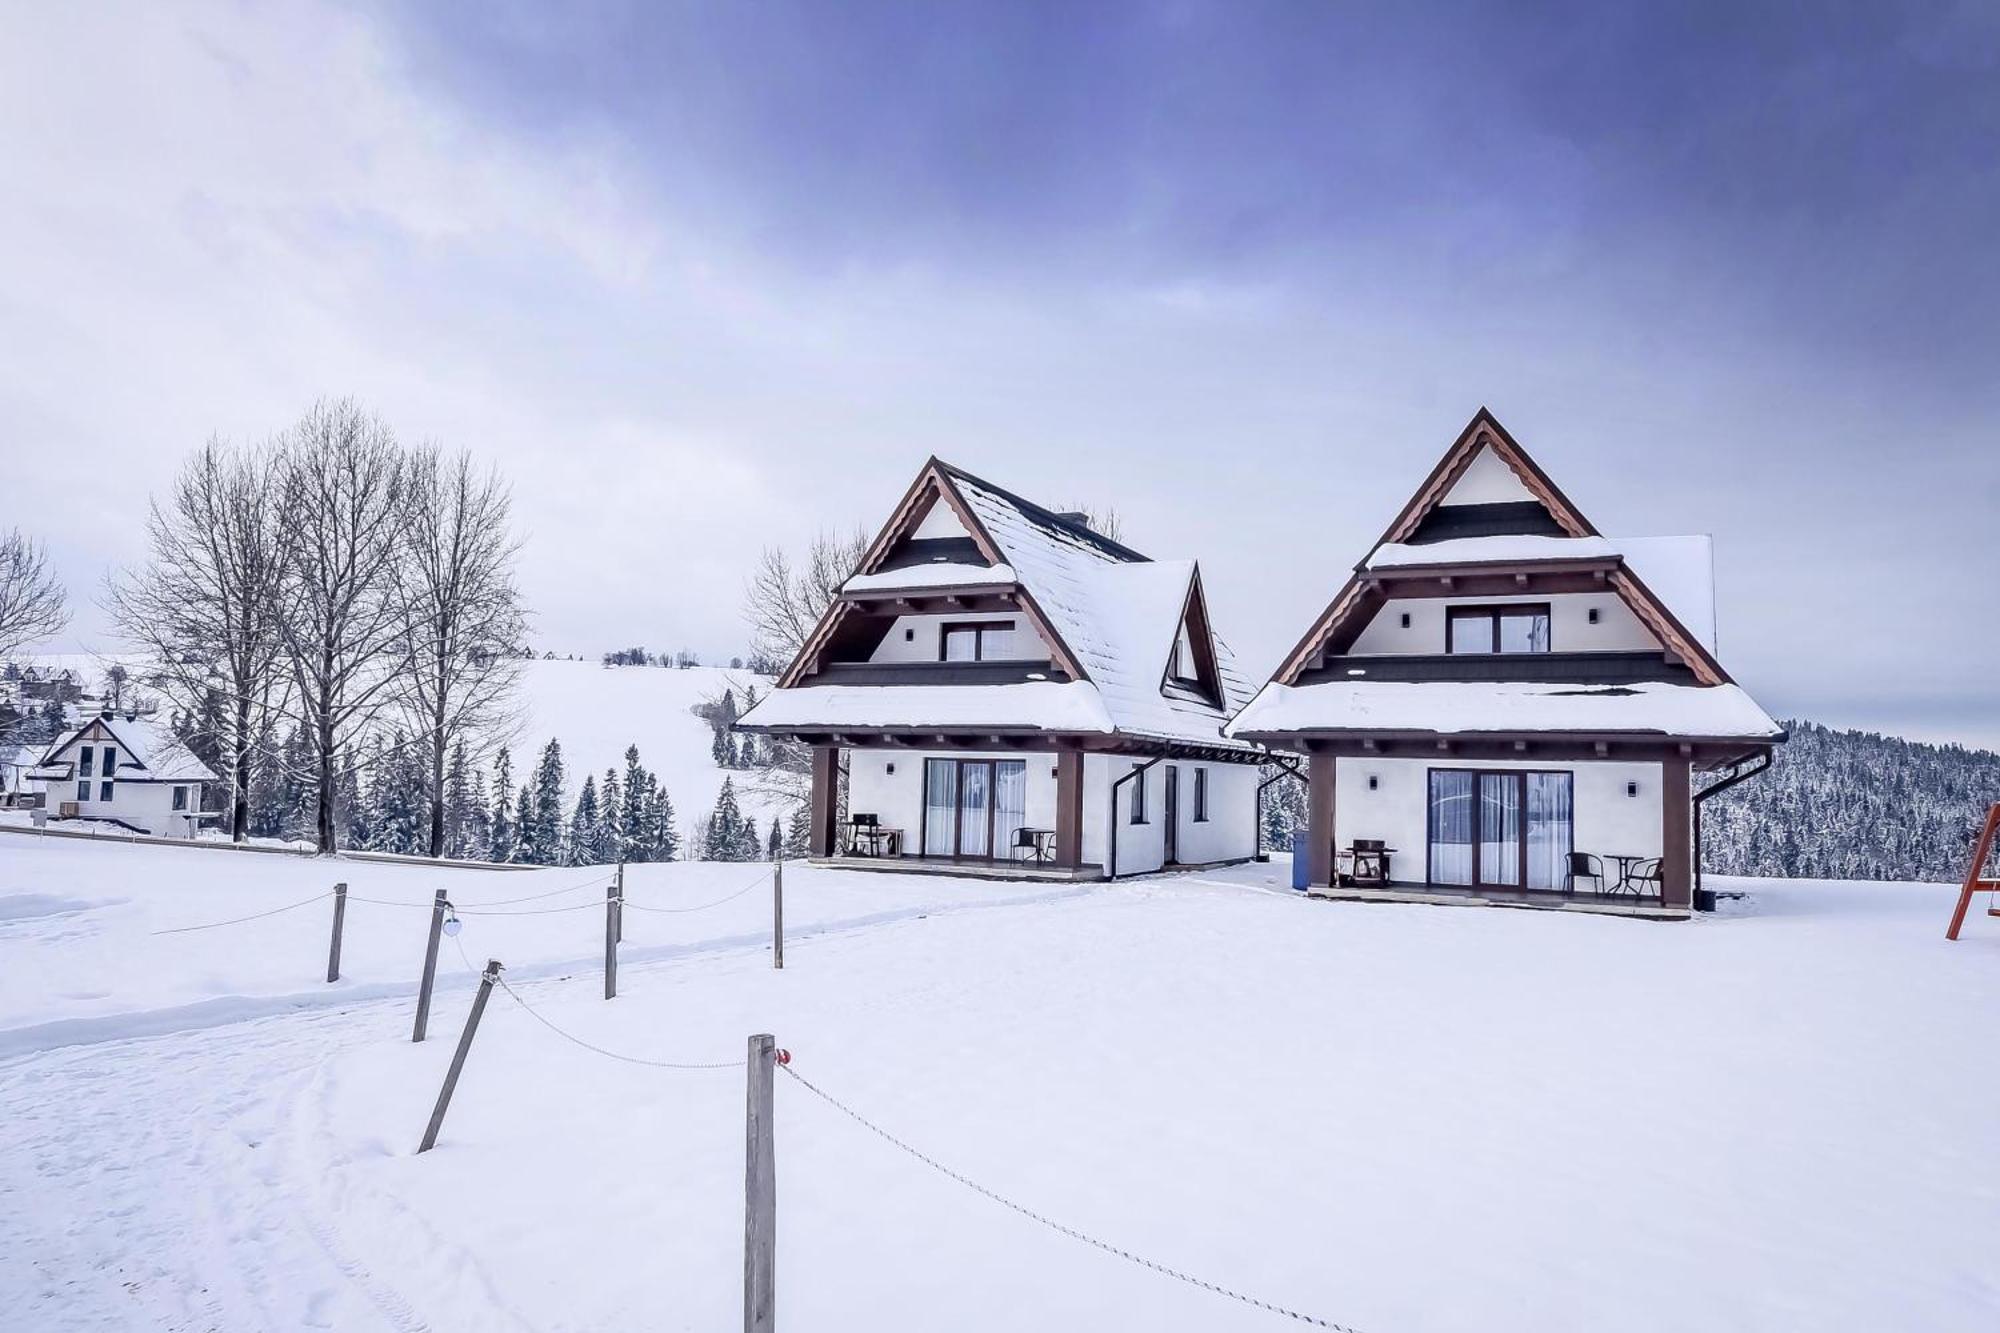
(1052, 771)
(889, 767)
(1406, 620)
(1373, 782)
(1593, 615)
(1631, 789)
(910, 635)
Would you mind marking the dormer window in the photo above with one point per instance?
(1497, 629)
(1180, 667)
(977, 641)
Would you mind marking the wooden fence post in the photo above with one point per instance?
(621, 902)
(778, 914)
(339, 919)
(430, 968)
(610, 941)
(486, 980)
(760, 1192)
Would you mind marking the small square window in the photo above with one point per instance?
(181, 796)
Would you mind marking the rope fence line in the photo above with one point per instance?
(1049, 1222)
(699, 907)
(254, 916)
(589, 1046)
(597, 881)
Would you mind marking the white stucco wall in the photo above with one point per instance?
(144, 805)
(940, 522)
(1487, 480)
(897, 799)
(1606, 820)
(915, 638)
(1617, 630)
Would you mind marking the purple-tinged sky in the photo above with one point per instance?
(707, 277)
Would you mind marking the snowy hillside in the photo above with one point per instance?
(1399, 1119)
(596, 711)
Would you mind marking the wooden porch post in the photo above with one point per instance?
(1676, 836)
(825, 797)
(1319, 818)
(1069, 808)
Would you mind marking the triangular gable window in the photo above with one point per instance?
(1191, 667)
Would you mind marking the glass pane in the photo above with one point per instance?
(110, 760)
(1010, 801)
(1471, 632)
(997, 644)
(84, 762)
(1549, 830)
(1524, 632)
(961, 645)
(1499, 828)
(1451, 828)
(972, 798)
(940, 806)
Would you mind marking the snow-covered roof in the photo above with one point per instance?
(937, 574)
(1680, 571)
(152, 749)
(1511, 548)
(1117, 612)
(1018, 705)
(1458, 707)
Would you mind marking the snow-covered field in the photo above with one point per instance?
(596, 711)
(1396, 1118)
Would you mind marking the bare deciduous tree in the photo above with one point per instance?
(204, 607)
(460, 613)
(340, 484)
(783, 603)
(32, 605)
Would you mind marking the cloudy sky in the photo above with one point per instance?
(703, 278)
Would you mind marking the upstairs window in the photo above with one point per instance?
(110, 760)
(977, 641)
(85, 760)
(1181, 667)
(1497, 629)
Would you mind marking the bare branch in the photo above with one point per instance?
(32, 604)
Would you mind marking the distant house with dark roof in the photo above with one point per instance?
(126, 770)
(1004, 690)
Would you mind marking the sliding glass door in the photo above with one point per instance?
(1501, 830)
(972, 807)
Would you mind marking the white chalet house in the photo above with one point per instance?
(1502, 703)
(131, 771)
(1005, 691)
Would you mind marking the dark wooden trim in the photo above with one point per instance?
(1485, 430)
(1206, 683)
(1628, 747)
(1551, 668)
(824, 798)
(1069, 809)
(1002, 672)
(983, 598)
(1676, 835)
(978, 628)
(1320, 777)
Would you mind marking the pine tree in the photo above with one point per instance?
(774, 846)
(503, 835)
(634, 830)
(798, 834)
(586, 828)
(543, 831)
(524, 828)
(663, 840)
(611, 816)
(457, 800)
(725, 827)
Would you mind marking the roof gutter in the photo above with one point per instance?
(1761, 763)
(1111, 861)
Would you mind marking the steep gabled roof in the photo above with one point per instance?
(1109, 615)
(1581, 544)
(152, 750)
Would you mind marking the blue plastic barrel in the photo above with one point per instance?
(1301, 858)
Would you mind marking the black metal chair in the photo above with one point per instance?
(1582, 865)
(1650, 872)
(1030, 841)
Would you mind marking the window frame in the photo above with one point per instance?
(86, 762)
(82, 790)
(104, 790)
(978, 629)
(1200, 795)
(180, 804)
(1138, 807)
(1492, 614)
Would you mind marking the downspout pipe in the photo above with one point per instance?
(1742, 775)
(1291, 770)
(1111, 861)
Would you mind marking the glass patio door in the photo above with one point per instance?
(975, 823)
(972, 807)
(1500, 830)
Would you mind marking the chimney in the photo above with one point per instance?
(1076, 516)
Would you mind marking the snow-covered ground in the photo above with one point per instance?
(1397, 1118)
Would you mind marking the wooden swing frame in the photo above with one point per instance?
(1973, 882)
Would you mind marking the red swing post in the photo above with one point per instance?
(1973, 882)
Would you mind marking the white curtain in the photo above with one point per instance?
(940, 806)
(972, 798)
(1499, 828)
(1550, 829)
(1010, 801)
(1451, 828)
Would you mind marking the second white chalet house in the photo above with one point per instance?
(1004, 690)
(127, 771)
(1503, 703)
